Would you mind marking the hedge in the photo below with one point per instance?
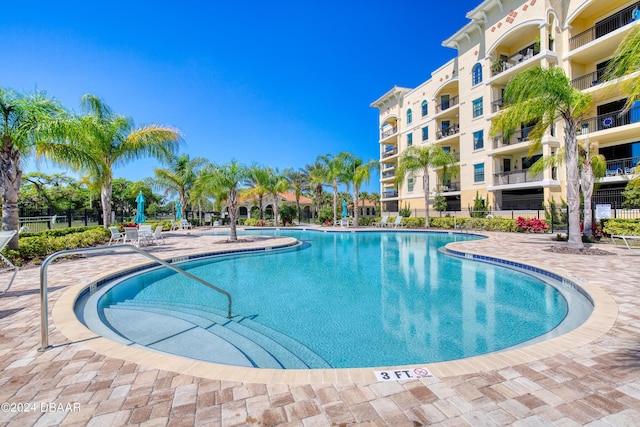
(623, 227)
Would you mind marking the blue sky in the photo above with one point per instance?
(277, 83)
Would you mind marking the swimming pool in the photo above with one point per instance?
(340, 300)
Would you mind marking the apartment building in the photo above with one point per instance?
(455, 106)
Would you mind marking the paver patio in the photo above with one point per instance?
(595, 381)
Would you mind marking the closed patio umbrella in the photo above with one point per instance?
(178, 210)
(139, 218)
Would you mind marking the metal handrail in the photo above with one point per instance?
(44, 291)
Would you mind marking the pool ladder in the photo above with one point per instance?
(44, 290)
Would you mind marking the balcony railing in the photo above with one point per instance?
(390, 153)
(588, 80)
(521, 135)
(603, 27)
(389, 194)
(610, 120)
(388, 174)
(516, 177)
(448, 186)
(621, 166)
(389, 132)
(523, 55)
(445, 104)
(497, 105)
(451, 130)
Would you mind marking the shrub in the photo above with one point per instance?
(440, 203)
(413, 222)
(242, 221)
(45, 243)
(286, 214)
(405, 212)
(623, 227)
(253, 222)
(325, 215)
(531, 225)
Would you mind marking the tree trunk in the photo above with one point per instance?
(260, 197)
(105, 198)
(355, 204)
(233, 201)
(425, 185)
(587, 181)
(573, 185)
(11, 180)
(275, 210)
(335, 200)
(298, 207)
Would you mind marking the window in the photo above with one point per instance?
(477, 107)
(410, 185)
(478, 140)
(425, 108)
(409, 116)
(425, 133)
(476, 73)
(478, 172)
(409, 140)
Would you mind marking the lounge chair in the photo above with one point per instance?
(396, 223)
(5, 238)
(157, 236)
(382, 223)
(116, 235)
(184, 224)
(625, 239)
(174, 225)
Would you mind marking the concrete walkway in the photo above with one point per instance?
(595, 381)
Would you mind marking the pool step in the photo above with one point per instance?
(262, 345)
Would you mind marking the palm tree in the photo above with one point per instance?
(257, 181)
(276, 184)
(179, 176)
(356, 172)
(625, 61)
(227, 178)
(421, 159)
(317, 173)
(298, 181)
(592, 166)
(334, 167)
(113, 140)
(30, 124)
(545, 96)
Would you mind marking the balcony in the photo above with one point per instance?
(515, 177)
(501, 65)
(389, 174)
(389, 153)
(497, 105)
(621, 167)
(445, 104)
(610, 120)
(451, 130)
(389, 194)
(518, 136)
(448, 186)
(588, 80)
(603, 28)
(389, 132)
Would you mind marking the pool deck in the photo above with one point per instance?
(588, 377)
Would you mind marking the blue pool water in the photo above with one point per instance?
(364, 299)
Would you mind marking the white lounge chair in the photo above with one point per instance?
(382, 223)
(396, 223)
(174, 225)
(116, 235)
(625, 239)
(184, 224)
(157, 236)
(5, 238)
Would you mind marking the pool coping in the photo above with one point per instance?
(603, 317)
